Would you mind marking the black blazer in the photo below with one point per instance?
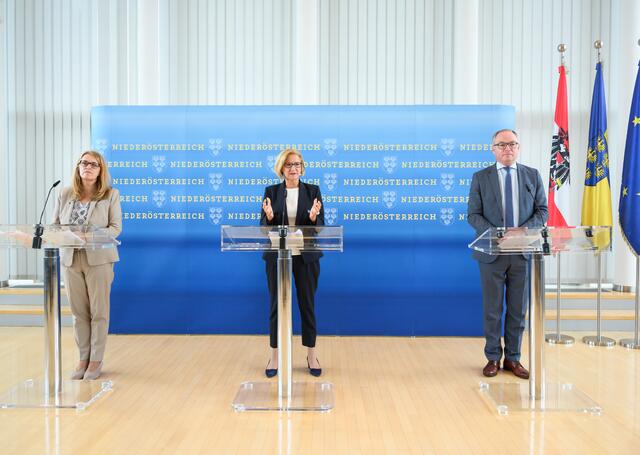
(307, 193)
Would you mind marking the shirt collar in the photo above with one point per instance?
(500, 166)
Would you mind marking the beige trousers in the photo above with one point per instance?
(88, 290)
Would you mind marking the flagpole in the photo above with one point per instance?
(634, 343)
(558, 338)
(599, 340)
(628, 342)
(598, 45)
(600, 215)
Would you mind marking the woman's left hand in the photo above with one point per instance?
(315, 210)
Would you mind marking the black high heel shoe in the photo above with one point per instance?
(314, 371)
(270, 372)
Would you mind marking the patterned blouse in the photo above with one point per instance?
(79, 213)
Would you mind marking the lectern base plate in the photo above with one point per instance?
(263, 396)
(514, 397)
(74, 394)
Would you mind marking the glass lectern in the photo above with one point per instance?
(286, 395)
(52, 390)
(535, 244)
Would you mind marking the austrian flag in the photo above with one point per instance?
(559, 170)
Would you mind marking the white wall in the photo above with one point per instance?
(60, 57)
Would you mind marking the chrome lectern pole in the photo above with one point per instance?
(536, 330)
(52, 350)
(284, 329)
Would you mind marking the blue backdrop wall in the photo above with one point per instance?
(396, 177)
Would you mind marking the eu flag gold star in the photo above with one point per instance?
(625, 191)
(636, 121)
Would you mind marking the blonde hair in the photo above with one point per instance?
(282, 158)
(103, 182)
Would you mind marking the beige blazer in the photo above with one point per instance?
(105, 213)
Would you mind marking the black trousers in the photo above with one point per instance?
(305, 277)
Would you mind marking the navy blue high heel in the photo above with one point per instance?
(314, 371)
(270, 372)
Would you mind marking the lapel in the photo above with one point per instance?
(66, 206)
(92, 205)
(65, 215)
(302, 194)
(522, 193)
(494, 184)
(280, 197)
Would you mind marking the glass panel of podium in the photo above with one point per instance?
(535, 244)
(52, 390)
(285, 394)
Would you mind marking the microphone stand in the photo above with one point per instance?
(52, 322)
(36, 243)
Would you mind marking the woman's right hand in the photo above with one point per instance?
(266, 207)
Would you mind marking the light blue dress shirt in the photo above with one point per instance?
(502, 174)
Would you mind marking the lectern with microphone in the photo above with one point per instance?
(535, 244)
(52, 390)
(286, 395)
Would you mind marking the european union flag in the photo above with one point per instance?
(596, 200)
(629, 208)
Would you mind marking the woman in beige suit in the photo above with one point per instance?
(88, 274)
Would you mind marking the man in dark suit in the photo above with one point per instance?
(507, 194)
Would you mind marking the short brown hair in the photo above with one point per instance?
(103, 183)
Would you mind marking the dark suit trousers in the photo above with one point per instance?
(509, 275)
(306, 280)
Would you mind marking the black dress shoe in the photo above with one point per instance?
(270, 372)
(314, 371)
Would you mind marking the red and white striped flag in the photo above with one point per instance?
(559, 169)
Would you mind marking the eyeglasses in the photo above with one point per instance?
(505, 145)
(91, 164)
(297, 165)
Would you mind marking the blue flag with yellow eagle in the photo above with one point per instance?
(629, 208)
(596, 200)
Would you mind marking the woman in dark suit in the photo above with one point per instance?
(293, 203)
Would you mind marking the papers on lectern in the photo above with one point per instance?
(63, 237)
(295, 240)
(19, 237)
(519, 242)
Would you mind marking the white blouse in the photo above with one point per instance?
(292, 211)
(292, 205)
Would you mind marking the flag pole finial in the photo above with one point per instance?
(598, 45)
(562, 48)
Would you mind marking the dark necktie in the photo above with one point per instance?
(508, 199)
